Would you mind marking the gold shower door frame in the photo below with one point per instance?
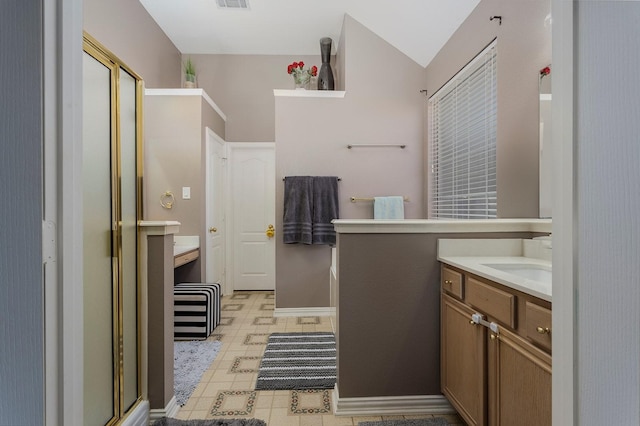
(98, 52)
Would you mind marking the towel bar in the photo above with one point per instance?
(356, 199)
(339, 179)
(375, 145)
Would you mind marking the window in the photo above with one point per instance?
(463, 142)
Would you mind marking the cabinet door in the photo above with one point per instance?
(519, 382)
(463, 359)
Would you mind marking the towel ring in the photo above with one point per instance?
(167, 199)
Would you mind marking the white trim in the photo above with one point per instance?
(564, 337)
(187, 92)
(213, 137)
(170, 410)
(304, 312)
(309, 93)
(63, 114)
(139, 416)
(52, 329)
(390, 405)
(159, 227)
(427, 226)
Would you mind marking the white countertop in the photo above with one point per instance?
(474, 255)
(185, 243)
(417, 226)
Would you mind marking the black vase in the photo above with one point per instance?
(325, 76)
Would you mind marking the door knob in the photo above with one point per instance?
(213, 229)
(271, 231)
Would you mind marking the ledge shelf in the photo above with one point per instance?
(310, 93)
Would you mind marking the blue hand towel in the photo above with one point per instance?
(298, 210)
(388, 207)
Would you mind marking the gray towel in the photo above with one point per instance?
(325, 209)
(298, 210)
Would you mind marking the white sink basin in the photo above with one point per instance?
(529, 272)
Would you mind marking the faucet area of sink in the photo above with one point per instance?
(522, 264)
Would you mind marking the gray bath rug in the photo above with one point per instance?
(168, 421)
(190, 360)
(432, 421)
(296, 361)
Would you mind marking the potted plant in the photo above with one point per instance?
(189, 74)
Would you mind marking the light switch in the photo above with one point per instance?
(186, 192)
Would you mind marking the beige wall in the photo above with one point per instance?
(126, 29)
(242, 86)
(382, 105)
(175, 135)
(524, 47)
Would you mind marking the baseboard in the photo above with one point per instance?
(304, 312)
(169, 411)
(390, 405)
(139, 416)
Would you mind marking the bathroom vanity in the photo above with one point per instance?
(186, 249)
(186, 259)
(496, 330)
(387, 298)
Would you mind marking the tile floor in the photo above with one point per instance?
(227, 387)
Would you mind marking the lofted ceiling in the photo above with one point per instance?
(418, 28)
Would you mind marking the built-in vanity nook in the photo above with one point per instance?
(496, 329)
(186, 249)
(387, 297)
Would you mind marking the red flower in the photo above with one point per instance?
(545, 71)
(297, 70)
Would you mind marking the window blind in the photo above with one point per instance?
(463, 142)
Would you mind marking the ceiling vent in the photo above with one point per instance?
(233, 4)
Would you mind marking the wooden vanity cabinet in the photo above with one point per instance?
(464, 357)
(519, 382)
(494, 379)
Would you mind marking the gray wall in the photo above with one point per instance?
(21, 281)
(312, 137)
(388, 312)
(524, 47)
(160, 329)
(126, 29)
(606, 88)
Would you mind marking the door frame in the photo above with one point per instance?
(62, 216)
(230, 255)
(213, 137)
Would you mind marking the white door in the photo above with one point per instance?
(252, 198)
(215, 240)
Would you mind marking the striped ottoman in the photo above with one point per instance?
(196, 310)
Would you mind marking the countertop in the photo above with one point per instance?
(419, 226)
(473, 256)
(185, 243)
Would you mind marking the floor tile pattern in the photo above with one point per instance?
(227, 388)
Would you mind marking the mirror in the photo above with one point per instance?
(545, 161)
